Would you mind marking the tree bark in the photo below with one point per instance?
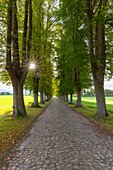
(63, 97)
(9, 35)
(41, 98)
(36, 89)
(100, 97)
(19, 109)
(16, 60)
(99, 78)
(25, 34)
(44, 96)
(47, 97)
(67, 98)
(36, 99)
(78, 87)
(71, 98)
(78, 102)
(14, 106)
(30, 30)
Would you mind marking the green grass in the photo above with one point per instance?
(13, 128)
(6, 103)
(91, 102)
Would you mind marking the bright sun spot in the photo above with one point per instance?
(32, 66)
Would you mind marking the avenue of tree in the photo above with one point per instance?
(74, 38)
(85, 48)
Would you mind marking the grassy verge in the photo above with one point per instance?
(12, 128)
(90, 113)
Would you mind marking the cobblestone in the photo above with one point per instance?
(63, 139)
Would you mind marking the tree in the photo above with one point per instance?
(41, 49)
(16, 65)
(96, 35)
(73, 49)
(45, 84)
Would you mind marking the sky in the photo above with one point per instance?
(109, 84)
(4, 88)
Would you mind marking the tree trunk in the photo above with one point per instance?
(14, 106)
(47, 97)
(100, 97)
(19, 109)
(44, 97)
(36, 98)
(25, 33)
(71, 98)
(67, 98)
(98, 60)
(41, 98)
(30, 30)
(78, 102)
(63, 97)
(35, 89)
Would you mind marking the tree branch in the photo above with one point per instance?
(9, 36)
(30, 30)
(110, 19)
(94, 4)
(25, 33)
(97, 8)
(16, 61)
(111, 24)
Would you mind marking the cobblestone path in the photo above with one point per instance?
(63, 139)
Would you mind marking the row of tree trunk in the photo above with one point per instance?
(65, 98)
(43, 99)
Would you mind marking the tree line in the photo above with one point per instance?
(26, 30)
(84, 48)
(91, 93)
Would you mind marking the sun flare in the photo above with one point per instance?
(32, 66)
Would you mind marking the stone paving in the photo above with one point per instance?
(64, 140)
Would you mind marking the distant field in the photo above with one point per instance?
(6, 103)
(91, 102)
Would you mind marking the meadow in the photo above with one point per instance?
(6, 103)
(91, 102)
